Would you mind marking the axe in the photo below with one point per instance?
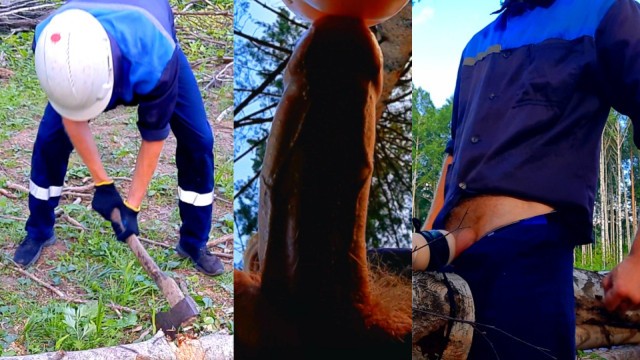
(183, 309)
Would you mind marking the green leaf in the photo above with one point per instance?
(60, 341)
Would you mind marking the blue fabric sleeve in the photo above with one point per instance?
(454, 112)
(156, 108)
(618, 45)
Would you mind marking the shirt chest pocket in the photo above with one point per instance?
(552, 74)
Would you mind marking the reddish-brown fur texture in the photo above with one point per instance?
(313, 296)
(261, 331)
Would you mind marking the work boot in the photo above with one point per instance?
(29, 250)
(204, 260)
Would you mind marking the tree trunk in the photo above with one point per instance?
(158, 348)
(603, 205)
(634, 221)
(434, 331)
(394, 36)
(414, 181)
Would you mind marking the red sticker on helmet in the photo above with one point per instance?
(55, 37)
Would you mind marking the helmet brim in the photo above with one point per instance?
(85, 114)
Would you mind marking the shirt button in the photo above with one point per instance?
(506, 54)
(492, 96)
(462, 185)
(475, 139)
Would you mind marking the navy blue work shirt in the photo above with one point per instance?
(533, 93)
(145, 57)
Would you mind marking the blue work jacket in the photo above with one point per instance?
(533, 93)
(144, 50)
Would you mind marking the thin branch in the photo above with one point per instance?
(255, 145)
(7, 194)
(247, 185)
(279, 14)
(249, 122)
(400, 97)
(261, 42)
(491, 327)
(59, 293)
(221, 240)
(274, 74)
(17, 268)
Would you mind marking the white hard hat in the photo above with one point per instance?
(74, 65)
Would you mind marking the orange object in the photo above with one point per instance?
(371, 11)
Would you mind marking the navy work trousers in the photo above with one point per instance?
(521, 278)
(194, 160)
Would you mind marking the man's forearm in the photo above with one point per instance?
(145, 167)
(81, 137)
(438, 199)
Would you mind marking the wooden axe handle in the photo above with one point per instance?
(166, 284)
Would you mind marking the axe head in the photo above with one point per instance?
(181, 314)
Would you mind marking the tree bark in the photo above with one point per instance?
(634, 220)
(597, 336)
(588, 291)
(211, 347)
(395, 42)
(622, 353)
(433, 316)
(434, 331)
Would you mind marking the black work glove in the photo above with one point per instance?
(105, 199)
(126, 223)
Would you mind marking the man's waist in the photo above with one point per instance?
(485, 213)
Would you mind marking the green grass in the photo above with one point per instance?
(582, 355)
(102, 271)
(223, 177)
(91, 265)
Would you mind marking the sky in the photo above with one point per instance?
(242, 169)
(441, 29)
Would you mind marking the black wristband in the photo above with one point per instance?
(439, 248)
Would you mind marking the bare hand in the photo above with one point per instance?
(622, 286)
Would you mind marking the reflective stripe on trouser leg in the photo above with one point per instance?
(48, 167)
(194, 159)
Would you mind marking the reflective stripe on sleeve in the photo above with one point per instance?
(44, 194)
(193, 198)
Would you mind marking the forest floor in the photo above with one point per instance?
(98, 295)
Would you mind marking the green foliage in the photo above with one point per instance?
(22, 99)
(430, 133)
(75, 327)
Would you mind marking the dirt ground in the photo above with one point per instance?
(118, 141)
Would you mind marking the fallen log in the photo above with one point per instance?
(443, 314)
(210, 347)
(434, 317)
(587, 288)
(620, 353)
(596, 336)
